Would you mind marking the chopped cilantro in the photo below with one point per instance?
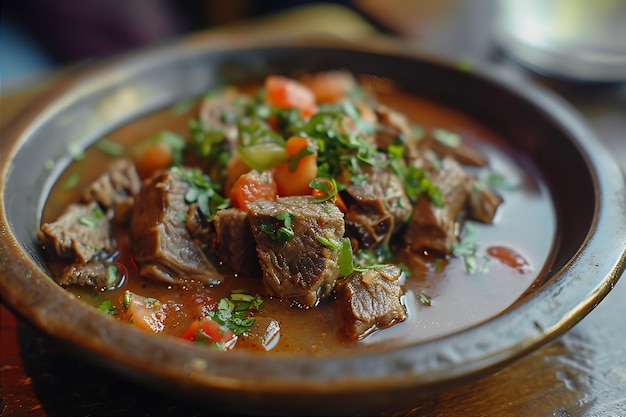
(424, 299)
(93, 219)
(111, 275)
(110, 148)
(499, 182)
(126, 299)
(328, 189)
(203, 191)
(447, 138)
(108, 307)
(283, 233)
(71, 182)
(466, 248)
(234, 312)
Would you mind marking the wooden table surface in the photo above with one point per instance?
(582, 373)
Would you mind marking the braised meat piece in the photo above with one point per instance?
(433, 228)
(393, 127)
(80, 234)
(482, 203)
(368, 301)
(115, 190)
(235, 242)
(449, 144)
(296, 266)
(377, 208)
(214, 112)
(201, 230)
(162, 245)
(99, 275)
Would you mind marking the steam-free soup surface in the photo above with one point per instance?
(439, 298)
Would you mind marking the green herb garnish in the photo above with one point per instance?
(108, 307)
(203, 191)
(424, 299)
(234, 312)
(93, 219)
(447, 138)
(109, 147)
(71, 182)
(282, 233)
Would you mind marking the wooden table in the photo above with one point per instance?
(582, 373)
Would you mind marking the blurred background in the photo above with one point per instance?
(39, 35)
(576, 38)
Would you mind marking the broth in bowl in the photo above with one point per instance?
(324, 214)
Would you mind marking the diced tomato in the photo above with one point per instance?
(190, 332)
(252, 186)
(209, 331)
(341, 205)
(235, 168)
(145, 313)
(509, 257)
(151, 158)
(331, 86)
(287, 93)
(296, 182)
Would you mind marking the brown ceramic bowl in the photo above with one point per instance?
(588, 255)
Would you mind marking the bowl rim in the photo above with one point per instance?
(434, 362)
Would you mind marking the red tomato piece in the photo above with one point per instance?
(509, 257)
(331, 86)
(209, 331)
(287, 93)
(252, 186)
(152, 158)
(296, 182)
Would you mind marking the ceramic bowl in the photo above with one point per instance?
(587, 257)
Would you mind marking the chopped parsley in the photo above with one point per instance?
(327, 188)
(234, 312)
(71, 182)
(447, 138)
(108, 307)
(109, 147)
(415, 180)
(346, 258)
(499, 182)
(111, 275)
(424, 299)
(203, 191)
(467, 248)
(93, 219)
(282, 233)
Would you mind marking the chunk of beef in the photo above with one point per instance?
(99, 275)
(300, 270)
(433, 228)
(214, 115)
(368, 301)
(377, 208)
(80, 234)
(483, 203)
(162, 245)
(393, 127)
(201, 230)
(236, 248)
(115, 190)
(453, 148)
